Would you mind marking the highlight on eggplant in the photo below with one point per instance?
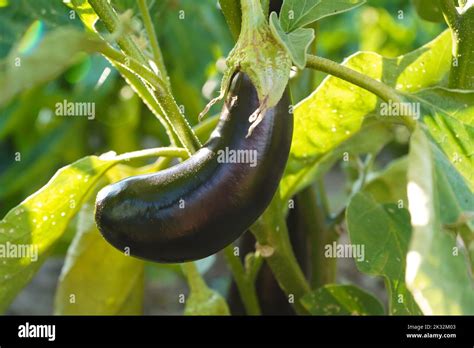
(196, 208)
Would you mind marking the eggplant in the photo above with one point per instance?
(196, 208)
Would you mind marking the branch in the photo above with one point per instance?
(166, 101)
(193, 276)
(109, 17)
(135, 60)
(155, 46)
(461, 23)
(313, 213)
(246, 287)
(149, 99)
(274, 245)
(159, 151)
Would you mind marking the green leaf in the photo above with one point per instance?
(296, 42)
(202, 300)
(28, 66)
(41, 219)
(296, 13)
(384, 232)
(96, 278)
(455, 196)
(449, 116)
(335, 111)
(456, 199)
(436, 271)
(301, 172)
(335, 299)
(389, 185)
(429, 10)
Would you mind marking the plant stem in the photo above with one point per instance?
(111, 21)
(204, 128)
(233, 16)
(245, 285)
(159, 151)
(155, 46)
(149, 99)
(364, 169)
(271, 232)
(107, 14)
(252, 16)
(136, 61)
(313, 213)
(193, 277)
(254, 267)
(266, 8)
(450, 13)
(313, 49)
(166, 101)
(378, 88)
(461, 75)
(322, 197)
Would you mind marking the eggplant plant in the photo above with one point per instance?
(393, 124)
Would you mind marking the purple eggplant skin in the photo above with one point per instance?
(196, 208)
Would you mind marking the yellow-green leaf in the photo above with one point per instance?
(96, 278)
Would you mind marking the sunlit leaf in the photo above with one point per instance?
(41, 219)
(300, 173)
(335, 111)
(85, 12)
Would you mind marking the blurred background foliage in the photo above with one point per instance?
(195, 40)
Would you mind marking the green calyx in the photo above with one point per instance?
(260, 55)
